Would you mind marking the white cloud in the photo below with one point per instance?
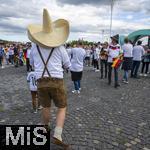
(86, 20)
(129, 17)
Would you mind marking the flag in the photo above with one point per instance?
(117, 61)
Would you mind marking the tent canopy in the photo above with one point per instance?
(134, 36)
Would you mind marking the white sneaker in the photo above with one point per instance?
(35, 111)
(145, 75)
(79, 89)
(97, 70)
(74, 91)
(40, 107)
(3, 67)
(141, 74)
(126, 82)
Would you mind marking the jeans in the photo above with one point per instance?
(11, 59)
(143, 67)
(135, 68)
(125, 75)
(103, 64)
(110, 73)
(7, 61)
(77, 85)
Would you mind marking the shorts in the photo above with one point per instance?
(87, 58)
(52, 89)
(76, 76)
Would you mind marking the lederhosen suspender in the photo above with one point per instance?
(45, 64)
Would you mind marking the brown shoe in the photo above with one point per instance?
(60, 143)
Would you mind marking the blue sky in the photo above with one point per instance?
(87, 17)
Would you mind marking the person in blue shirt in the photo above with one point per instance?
(1, 55)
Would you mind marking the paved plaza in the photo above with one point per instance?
(100, 118)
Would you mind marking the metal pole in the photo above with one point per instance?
(102, 35)
(112, 3)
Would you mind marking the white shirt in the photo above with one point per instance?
(78, 55)
(113, 52)
(69, 52)
(32, 79)
(127, 50)
(96, 53)
(88, 53)
(28, 52)
(7, 55)
(58, 58)
(11, 51)
(138, 52)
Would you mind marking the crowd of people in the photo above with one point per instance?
(15, 54)
(101, 57)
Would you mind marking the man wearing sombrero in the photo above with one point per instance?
(49, 57)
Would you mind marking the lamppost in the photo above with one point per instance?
(112, 5)
(102, 35)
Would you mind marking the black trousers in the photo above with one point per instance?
(103, 65)
(1, 59)
(143, 67)
(96, 65)
(29, 67)
(110, 74)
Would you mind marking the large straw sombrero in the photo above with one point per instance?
(50, 34)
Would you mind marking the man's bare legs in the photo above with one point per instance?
(46, 115)
(60, 119)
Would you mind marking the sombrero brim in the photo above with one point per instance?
(57, 37)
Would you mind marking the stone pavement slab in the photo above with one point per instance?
(100, 118)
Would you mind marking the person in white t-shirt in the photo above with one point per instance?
(138, 52)
(32, 80)
(127, 59)
(11, 54)
(68, 49)
(88, 56)
(7, 58)
(29, 67)
(103, 59)
(96, 56)
(78, 55)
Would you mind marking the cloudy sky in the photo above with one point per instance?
(88, 18)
